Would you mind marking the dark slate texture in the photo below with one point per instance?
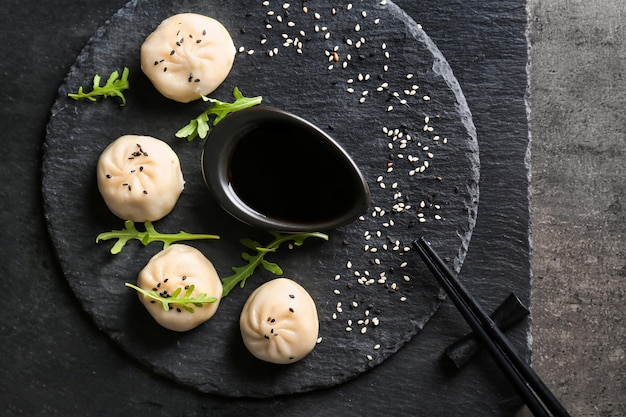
(56, 362)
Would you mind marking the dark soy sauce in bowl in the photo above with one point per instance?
(277, 171)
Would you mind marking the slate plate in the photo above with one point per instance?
(420, 159)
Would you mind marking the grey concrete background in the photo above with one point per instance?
(578, 124)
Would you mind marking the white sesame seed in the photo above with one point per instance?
(350, 90)
(317, 16)
(337, 292)
(266, 3)
(403, 299)
(250, 52)
(279, 19)
(268, 26)
(349, 265)
(376, 346)
(376, 21)
(406, 278)
(348, 329)
(334, 316)
(349, 6)
(270, 13)
(291, 24)
(363, 330)
(241, 49)
(426, 98)
(305, 9)
(319, 340)
(357, 27)
(390, 108)
(364, 13)
(369, 357)
(286, 5)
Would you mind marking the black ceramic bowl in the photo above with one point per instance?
(276, 171)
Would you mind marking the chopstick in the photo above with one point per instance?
(538, 398)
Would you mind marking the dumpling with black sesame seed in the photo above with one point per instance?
(139, 178)
(279, 322)
(177, 268)
(187, 56)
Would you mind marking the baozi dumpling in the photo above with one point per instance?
(279, 322)
(179, 266)
(139, 178)
(188, 55)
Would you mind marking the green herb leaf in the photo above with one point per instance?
(148, 236)
(112, 88)
(242, 273)
(183, 301)
(200, 125)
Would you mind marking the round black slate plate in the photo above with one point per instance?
(373, 295)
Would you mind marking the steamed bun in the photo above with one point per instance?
(179, 266)
(188, 55)
(139, 178)
(279, 322)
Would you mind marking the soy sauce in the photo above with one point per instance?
(292, 174)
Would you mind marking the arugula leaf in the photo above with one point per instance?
(150, 235)
(112, 88)
(200, 125)
(242, 273)
(183, 301)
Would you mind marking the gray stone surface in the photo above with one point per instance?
(578, 98)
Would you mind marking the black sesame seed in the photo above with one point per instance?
(203, 32)
(156, 62)
(291, 309)
(199, 40)
(145, 192)
(184, 277)
(292, 296)
(291, 358)
(266, 336)
(166, 279)
(172, 52)
(165, 69)
(108, 175)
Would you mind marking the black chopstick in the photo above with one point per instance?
(536, 395)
